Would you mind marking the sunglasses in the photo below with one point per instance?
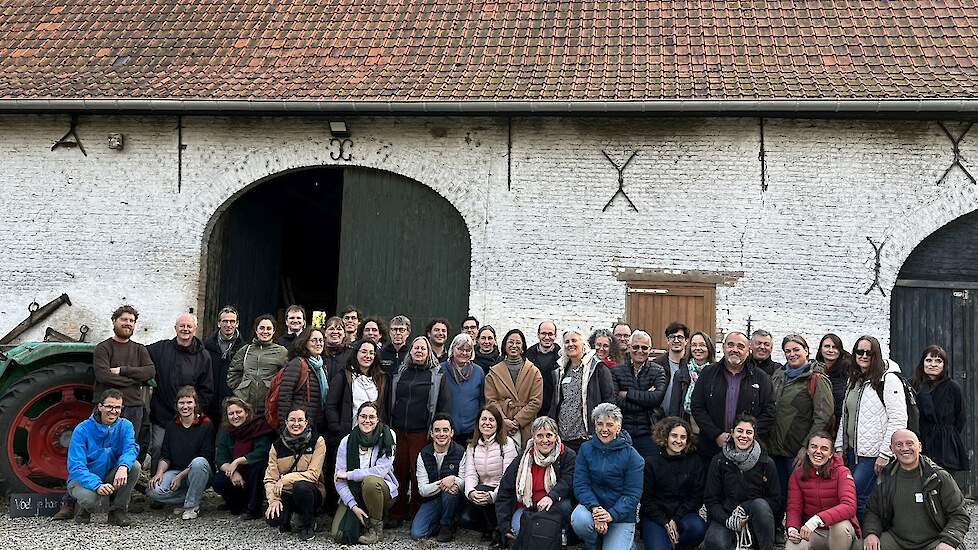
(637, 347)
(863, 352)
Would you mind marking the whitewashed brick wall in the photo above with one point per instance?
(111, 228)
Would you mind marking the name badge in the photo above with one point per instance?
(919, 497)
(565, 381)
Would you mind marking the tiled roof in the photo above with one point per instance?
(414, 50)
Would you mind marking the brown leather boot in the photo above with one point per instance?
(67, 511)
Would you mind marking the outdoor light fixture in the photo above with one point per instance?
(338, 129)
(116, 141)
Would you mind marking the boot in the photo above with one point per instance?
(378, 527)
(82, 515)
(67, 511)
(120, 518)
(369, 535)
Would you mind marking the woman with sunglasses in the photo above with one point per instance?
(874, 407)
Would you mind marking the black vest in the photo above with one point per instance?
(449, 465)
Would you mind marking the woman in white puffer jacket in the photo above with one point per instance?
(874, 408)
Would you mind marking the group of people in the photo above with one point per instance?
(592, 438)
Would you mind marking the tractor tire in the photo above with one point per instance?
(37, 415)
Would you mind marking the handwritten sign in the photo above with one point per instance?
(29, 505)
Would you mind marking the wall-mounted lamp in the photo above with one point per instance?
(116, 141)
(338, 129)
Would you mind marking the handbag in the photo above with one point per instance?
(540, 530)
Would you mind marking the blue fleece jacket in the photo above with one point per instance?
(467, 397)
(610, 476)
(96, 449)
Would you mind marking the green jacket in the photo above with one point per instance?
(252, 370)
(224, 453)
(798, 414)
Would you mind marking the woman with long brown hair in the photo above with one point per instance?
(942, 412)
(836, 363)
(488, 454)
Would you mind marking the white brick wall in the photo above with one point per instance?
(111, 228)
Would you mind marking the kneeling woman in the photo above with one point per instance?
(673, 490)
(293, 479)
(364, 479)
(823, 495)
(241, 458)
(742, 494)
(607, 484)
(488, 455)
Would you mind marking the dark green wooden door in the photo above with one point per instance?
(404, 250)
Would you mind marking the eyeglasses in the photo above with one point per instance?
(367, 417)
(228, 321)
(111, 408)
(636, 347)
(676, 338)
(399, 329)
(864, 352)
(316, 340)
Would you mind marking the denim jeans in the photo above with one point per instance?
(863, 470)
(190, 490)
(620, 536)
(691, 529)
(440, 511)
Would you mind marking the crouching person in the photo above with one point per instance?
(293, 478)
(102, 467)
(441, 468)
(822, 494)
(916, 503)
(608, 478)
(184, 470)
(364, 479)
(241, 457)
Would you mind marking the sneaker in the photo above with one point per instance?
(178, 510)
(120, 518)
(66, 512)
(446, 534)
(82, 515)
(191, 513)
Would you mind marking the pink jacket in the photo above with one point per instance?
(833, 499)
(485, 464)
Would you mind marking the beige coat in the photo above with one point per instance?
(520, 402)
(309, 468)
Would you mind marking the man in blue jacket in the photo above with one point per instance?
(102, 467)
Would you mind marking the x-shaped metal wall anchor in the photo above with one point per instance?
(956, 149)
(621, 181)
(876, 268)
(65, 142)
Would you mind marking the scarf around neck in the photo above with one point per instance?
(524, 474)
(694, 374)
(792, 373)
(746, 459)
(463, 374)
(317, 366)
(244, 436)
(296, 443)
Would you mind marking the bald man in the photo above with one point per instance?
(916, 503)
(180, 361)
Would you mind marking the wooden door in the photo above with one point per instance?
(651, 306)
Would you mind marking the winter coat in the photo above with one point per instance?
(335, 359)
(485, 463)
(727, 487)
(673, 486)
(875, 421)
(839, 376)
(610, 475)
(306, 396)
(96, 449)
(563, 489)
(641, 407)
(798, 415)
(178, 366)
(339, 403)
(598, 387)
(945, 503)
(519, 402)
(252, 370)
(283, 464)
(391, 359)
(220, 364)
(224, 451)
(709, 398)
(414, 389)
(546, 363)
(942, 419)
(682, 382)
(769, 366)
(832, 498)
(380, 466)
(467, 397)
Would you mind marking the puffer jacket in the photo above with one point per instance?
(641, 407)
(284, 465)
(875, 421)
(798, 415)
(252, 369)
(832, 498)
(610, 476)
(486, 462)
(305, 395)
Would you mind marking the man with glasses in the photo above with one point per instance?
(470, 326)
(222, 345)
(727, 389)
(622, 332)
(394, 351)
(295, 322)
(544, 356)
(761, 345)
(674, 360)
(102, 466)
(641, 385)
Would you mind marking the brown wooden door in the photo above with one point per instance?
(652, 306)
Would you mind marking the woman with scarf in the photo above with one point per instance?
(943, 413)
(304, 384)
(742, 494)
(466, 382)
(294, 476)
(254, 365)
(241, 458)
(700, 354)
(335, 351)
(804, 407)
(605, 346)
(488, 454)
(515, 387)
(364, 479)
(541, 479)
(487, 353)
(608, 478)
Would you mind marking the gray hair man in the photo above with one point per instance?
(394, 351)
(641, 385)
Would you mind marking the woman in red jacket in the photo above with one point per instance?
(821, 493)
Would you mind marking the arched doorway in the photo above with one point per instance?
(329, 237)
(935, 301)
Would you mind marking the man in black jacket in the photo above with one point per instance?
(916, 503)
(726, 389)
(394, 351)
(182, 361)
(222, 345)
(640, 386)
(675, 363)
(761, 345)
(544, 356)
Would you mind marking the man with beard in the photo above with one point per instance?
(123, 365)
(222, 346)
(726, 389)
(394, 351)
(295, 321)
(544, 356)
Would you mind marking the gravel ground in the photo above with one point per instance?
(214, 530)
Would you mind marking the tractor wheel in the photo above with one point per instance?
(37, 416)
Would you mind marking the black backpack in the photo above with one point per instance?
(910, 397)
(540, 530)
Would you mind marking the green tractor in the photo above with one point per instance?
(45, 391)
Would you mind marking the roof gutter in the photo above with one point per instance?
(667, 106)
